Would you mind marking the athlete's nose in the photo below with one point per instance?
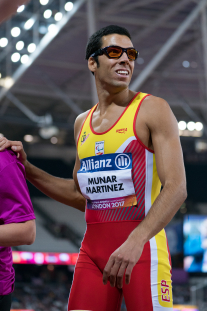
(124, 58)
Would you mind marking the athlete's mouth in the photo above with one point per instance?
(122, 72)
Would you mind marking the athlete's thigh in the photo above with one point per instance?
(89, 293)
(137, 293)
(150, 285)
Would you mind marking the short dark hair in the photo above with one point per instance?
(95, 42)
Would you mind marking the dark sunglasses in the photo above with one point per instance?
(114, 51)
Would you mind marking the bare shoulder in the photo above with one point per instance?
(154, 103)
(79, 122)
(156, 111)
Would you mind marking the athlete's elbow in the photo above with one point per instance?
(83, 204)
(178, 190)
(181, 191)
(185, 194)
(80, 203)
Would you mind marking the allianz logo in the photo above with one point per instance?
(122, 161)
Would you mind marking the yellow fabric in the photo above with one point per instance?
(164, 282)
(113, 138)
(156, 183)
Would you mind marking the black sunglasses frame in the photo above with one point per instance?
(104, 51)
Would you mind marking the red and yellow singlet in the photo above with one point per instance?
(120, 139)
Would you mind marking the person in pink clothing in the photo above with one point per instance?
(17, 220)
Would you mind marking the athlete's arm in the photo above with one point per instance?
(62, 190)
(15, 234)
(162, 127)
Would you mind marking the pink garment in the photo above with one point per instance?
(15, 207)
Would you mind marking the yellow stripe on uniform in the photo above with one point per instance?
(164, 286)
(164, 283)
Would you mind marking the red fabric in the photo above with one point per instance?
(138, 174)
(134, 125)
(88, 291)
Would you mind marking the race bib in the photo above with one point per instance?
(106, 181)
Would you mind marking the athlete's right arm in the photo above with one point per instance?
(62, 190)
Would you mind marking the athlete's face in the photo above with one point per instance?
(115, 73)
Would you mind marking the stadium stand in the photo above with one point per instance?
(46, 242)
(63, 214)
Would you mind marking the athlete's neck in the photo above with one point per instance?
(121, 98)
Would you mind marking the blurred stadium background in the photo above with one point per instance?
(45, 84)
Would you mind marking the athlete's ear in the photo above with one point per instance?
(92, 64)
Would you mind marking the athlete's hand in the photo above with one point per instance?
(121, 262)
(15, 146)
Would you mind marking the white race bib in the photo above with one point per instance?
(106, 181)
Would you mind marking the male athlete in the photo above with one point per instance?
(127, 146)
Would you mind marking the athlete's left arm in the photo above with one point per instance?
(163, 129)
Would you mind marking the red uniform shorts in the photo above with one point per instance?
(150, 285)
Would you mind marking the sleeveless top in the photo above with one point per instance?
(118, 174)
